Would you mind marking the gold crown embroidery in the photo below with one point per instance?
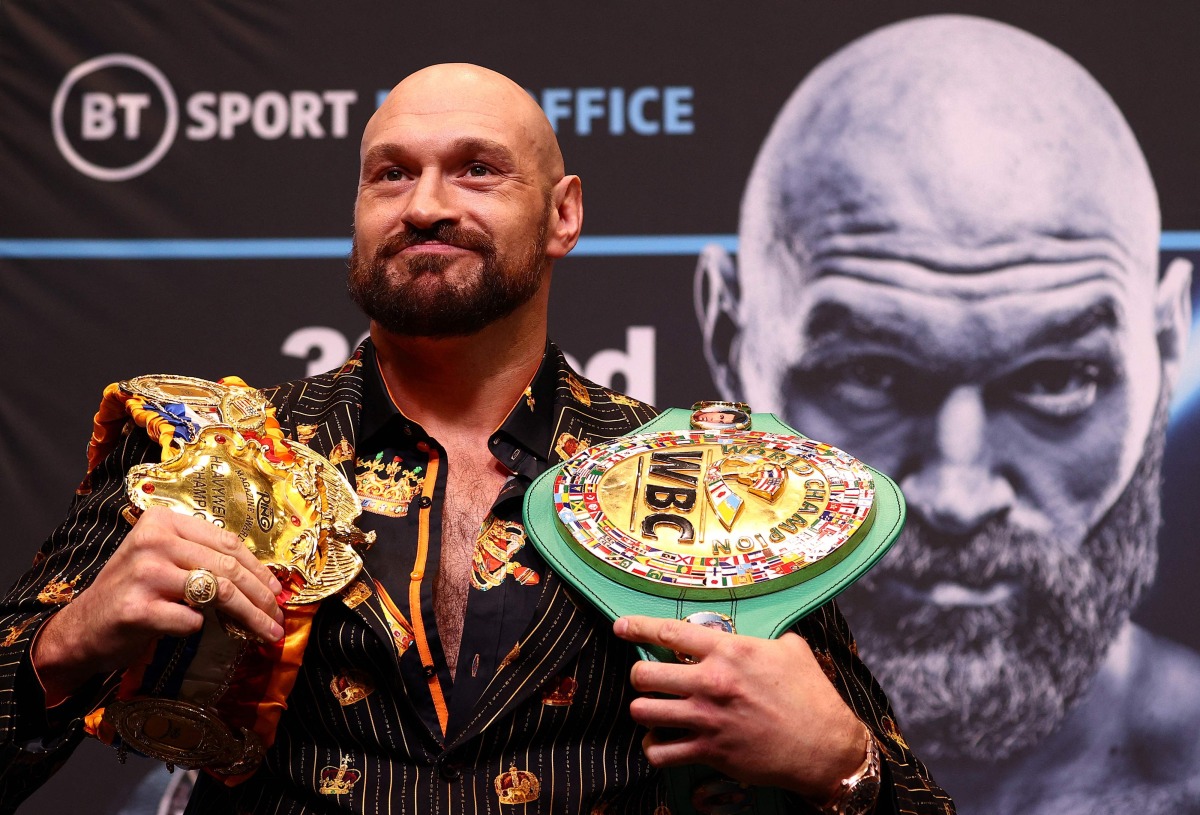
(517, 786)
(351, 686)
(342, 451)
(561, 692)
(498, 543)
(386, 488)
(57, 592)
(567, 445)
(339, 780)
(579, 391)
(356, 593)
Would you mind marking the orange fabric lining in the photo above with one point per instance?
(414, 596)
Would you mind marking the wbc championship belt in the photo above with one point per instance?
(212, 700)
(719, 517)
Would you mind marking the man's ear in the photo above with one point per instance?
(716, 295)
(1173, 317)
(566, 216)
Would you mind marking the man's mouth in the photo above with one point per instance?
(432, 247)
(949, 594)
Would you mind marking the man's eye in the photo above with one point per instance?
(393, 174)
(868, 383)
(478, 170)
(1059, 388)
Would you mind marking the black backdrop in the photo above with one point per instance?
(227, 251)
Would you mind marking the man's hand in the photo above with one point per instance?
(760, 711)
(138, 597)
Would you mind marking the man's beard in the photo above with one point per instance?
(423, 303)
(983, 682)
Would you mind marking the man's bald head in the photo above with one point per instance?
(946, 134)
(471, 89)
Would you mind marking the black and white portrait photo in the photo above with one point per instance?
(949, 264)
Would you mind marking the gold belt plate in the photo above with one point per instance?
(296, 516)
(707, 513)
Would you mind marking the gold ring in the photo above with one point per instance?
(200, 588)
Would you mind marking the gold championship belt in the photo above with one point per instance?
(719, 517)
(212, 700)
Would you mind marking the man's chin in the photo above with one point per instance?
(983, 702)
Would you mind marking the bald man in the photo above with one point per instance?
(948, 264)
(455, 674)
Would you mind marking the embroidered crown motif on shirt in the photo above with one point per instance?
(494, 550)
(342, 451)
(57, 592)
(579, 391)
(385, 487)
(339, 780)
(517, 786)
(351, 686)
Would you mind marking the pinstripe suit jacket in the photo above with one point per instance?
(586, 755)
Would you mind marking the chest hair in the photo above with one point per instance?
(471, 488)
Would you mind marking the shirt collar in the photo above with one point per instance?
(529, 426)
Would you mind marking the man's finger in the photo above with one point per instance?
(663, 677)
(676, 714)
(234, 582)
(670, 748)
(675, 635)
(198, 530)
(241, 611)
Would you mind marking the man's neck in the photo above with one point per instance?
(461, 386)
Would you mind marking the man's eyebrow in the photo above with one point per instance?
(1063, 326)
(465, 147)
(838, 318)
(485, 148)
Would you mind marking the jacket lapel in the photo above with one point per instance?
(560, 629)
(324, 412)
(584, 413)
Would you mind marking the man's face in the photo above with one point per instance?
(451, 215)
(1012, 400)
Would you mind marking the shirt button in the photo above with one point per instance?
(450, 771)
(425, 502)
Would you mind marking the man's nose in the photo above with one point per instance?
(428, 203)
(954, 485)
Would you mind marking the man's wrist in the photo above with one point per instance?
(55, 661)
(856, 794)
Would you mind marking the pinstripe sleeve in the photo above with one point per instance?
(34, 743)
(908, 787)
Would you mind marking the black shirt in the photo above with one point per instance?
(400, 475)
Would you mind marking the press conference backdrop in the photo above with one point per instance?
(177, 183)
